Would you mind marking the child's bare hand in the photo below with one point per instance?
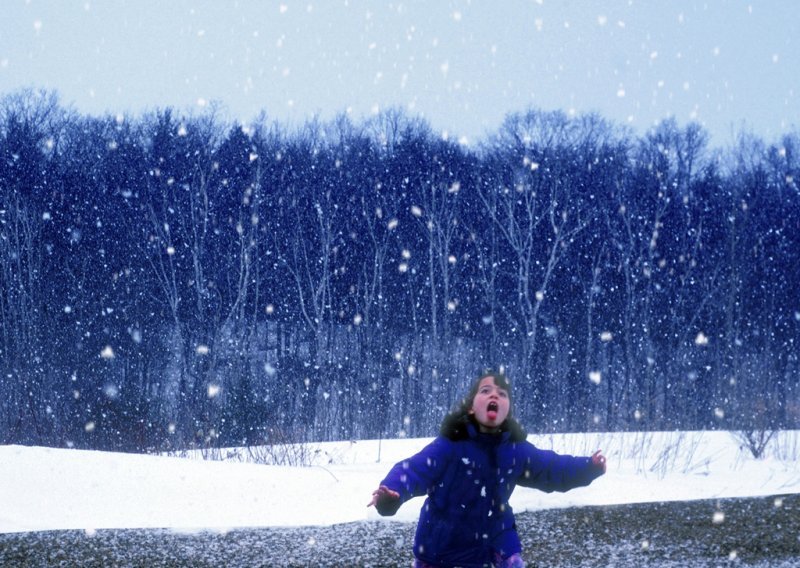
(382, 493)
(599, 460)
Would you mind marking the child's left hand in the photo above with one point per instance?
(599, 460)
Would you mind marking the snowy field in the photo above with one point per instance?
(53, 489)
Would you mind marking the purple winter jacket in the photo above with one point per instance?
(466, 518)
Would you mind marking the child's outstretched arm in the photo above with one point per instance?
(411, 477)
(549, 471)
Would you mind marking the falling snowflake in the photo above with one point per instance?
(111, 391)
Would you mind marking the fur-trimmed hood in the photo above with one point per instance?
(455, 427)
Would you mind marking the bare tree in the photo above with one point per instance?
(29, 121)
(202, 209)
(531, 210)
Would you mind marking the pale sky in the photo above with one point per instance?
(463, 65)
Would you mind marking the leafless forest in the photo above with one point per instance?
(172, 281)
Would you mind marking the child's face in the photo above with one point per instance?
(490, 405)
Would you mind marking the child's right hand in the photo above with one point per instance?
(383, 493)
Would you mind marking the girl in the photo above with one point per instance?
(468, 473)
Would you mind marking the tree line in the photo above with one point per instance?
(174, 280)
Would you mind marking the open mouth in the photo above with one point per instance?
(491, 410)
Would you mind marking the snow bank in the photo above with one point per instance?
(51, 489)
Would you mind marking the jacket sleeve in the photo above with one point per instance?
(413, 476)
(548, 471)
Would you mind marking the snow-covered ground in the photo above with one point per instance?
(50, 489)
